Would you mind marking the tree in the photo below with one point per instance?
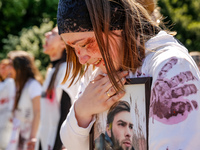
(24, 22)
(31, 40)
(20, 23)
(183, 17)
(18, 14)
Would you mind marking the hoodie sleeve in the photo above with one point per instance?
(73, 136)
(174, 105)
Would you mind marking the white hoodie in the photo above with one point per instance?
(7, 98)
(174, 122)
(50, 108)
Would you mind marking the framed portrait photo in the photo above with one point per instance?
(125, 125)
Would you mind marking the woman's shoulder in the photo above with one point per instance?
(62, 69)
(163, 47)
(33, 83)
(9, 82)
(34, 88)
(164, 51)
(63, 65)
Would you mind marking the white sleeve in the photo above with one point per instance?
(73, 89)
(35, 89)
(73, 136)
(174, 106)
(12, 92)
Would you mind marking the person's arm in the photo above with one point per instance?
(174, 111)
(94, 99)
(74, 137)
(35, 123)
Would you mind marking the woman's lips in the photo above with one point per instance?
(97, 62)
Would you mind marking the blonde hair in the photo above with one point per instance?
(149, 5)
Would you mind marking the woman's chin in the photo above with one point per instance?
(103, 69)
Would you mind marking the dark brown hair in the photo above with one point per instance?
(25, 68)
(57, 66)
(117, 108)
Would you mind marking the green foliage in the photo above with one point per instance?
(20, 20)
(24, 22)
(12, 12)
(31, 40)
(183, 17)
(18, 14)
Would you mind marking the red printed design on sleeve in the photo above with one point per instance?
(169, 97)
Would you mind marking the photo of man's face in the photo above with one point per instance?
(121, 131)
(124, 126)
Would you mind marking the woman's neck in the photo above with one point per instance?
(54, 62)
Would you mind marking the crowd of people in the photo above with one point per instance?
(32, 108)
(95, 47)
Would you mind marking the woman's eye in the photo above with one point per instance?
(83, 45)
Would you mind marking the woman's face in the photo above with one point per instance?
(54, 45)
(7, 70)
(86, 48)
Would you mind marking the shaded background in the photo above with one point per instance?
(24, 22)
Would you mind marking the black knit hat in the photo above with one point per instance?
(73, 16)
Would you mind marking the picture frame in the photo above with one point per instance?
(108, 129)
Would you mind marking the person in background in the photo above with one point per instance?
(56, 99)
(121, 40)
(6, 69)
(7, 97)
(196, 56)
(27, 101)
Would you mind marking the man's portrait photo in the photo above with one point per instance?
(120, 126)
(125, 125)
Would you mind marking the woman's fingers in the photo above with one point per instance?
(122, 75)
(97, 94)
(111, 91)
(102, 85)
(104, 80)
(97, 78)
(114, 98)
(31, 145)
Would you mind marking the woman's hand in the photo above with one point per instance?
(98, 96)
(31, 144)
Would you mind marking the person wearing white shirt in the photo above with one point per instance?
(56, 98)
(26, 108)
(121, 40)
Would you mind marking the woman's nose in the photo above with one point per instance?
(83, 59)
(82, 55)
